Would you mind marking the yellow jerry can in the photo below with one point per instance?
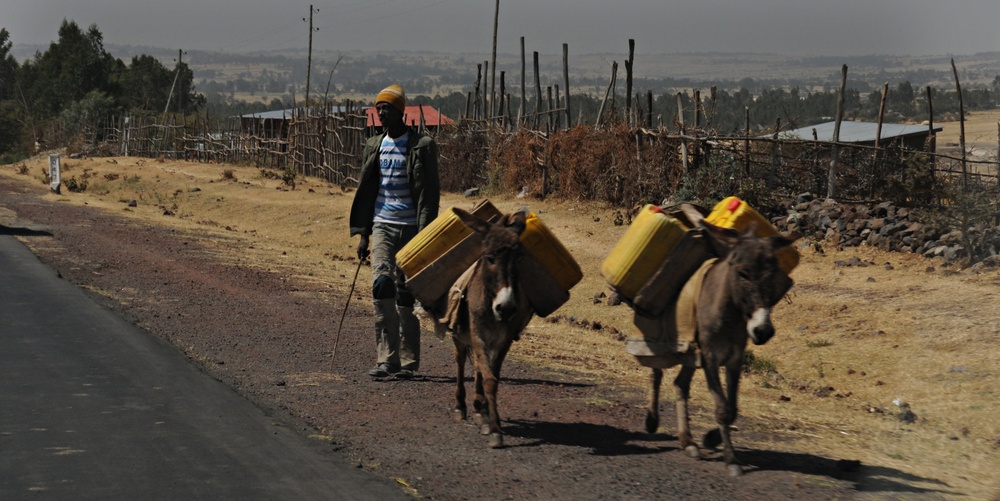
(731, 212)
(642, 249)
(550, 253)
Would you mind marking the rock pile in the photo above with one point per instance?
(885, 226)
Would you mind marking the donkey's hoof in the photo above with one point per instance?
(479, 419)
(692, 451)
(458, 415)
(652, 422)
(484, 429)
(496, 440)
(712, 439)
(735, 470)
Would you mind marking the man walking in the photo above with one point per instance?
(398, 195)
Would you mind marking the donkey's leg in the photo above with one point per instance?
(733, 371)
(682, 383)
(724, 413)
(479, 403)
(491, 381)
(461, 354)
(653, 401)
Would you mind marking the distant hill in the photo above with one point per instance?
(594, 70)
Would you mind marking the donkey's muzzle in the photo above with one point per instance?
(504, 305)
(759, 327)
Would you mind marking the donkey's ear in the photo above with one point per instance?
(725, 236)
(751, 230)
(516, 221)
(779, 241)
(474, 223)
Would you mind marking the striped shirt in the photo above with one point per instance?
(395, 203)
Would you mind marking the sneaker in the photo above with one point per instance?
(382, 370)
(403, 374)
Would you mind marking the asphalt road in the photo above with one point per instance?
(92, 407)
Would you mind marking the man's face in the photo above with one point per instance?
(388, 114)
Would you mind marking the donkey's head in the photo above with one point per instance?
(755, 280)
(501, 248)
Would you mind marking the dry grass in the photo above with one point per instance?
(981, 130)
(850, 341)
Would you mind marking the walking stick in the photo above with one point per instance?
(346, 304)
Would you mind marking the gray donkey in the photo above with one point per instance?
(733, 305)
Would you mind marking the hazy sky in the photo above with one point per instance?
(792, 27)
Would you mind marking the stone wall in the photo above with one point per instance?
(888, 227)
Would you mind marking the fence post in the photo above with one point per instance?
(746, 143)
(523, 112)
(538, 94)
(832, 177)
(569, 116)
(878, 140)
(774, 153)
(961, 128)
(680, 123)
(932, 139)
(628, 83)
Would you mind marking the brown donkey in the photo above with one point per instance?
(489, 318)
(734, 304)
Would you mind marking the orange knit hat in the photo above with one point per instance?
(393, 95)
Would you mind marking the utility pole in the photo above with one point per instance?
(170, 95)
(493, 74)
(180, 92)
(310, 57)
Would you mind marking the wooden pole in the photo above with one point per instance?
(524, 99)
(493, 74)
(697, 127)
(931, 137)
(746, 142)
(309, 57)
(649, 107)
(878, 139)
(558, 116)
(628, 82)
(611, 84)
(548, 115)
(832, 177)
(479, 78)
(774, 153)
(487, 98)
(714, 97)
(569, 115)
(961, 128)
(538, 93)
(881, 116)
(504, 117)
(680, 123)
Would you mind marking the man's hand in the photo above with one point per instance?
(363, 248)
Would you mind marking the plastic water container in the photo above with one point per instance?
(444, 232)
(731, 212)
(645, 245)
(550, 253)
(439, 237)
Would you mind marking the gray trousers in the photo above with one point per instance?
(397, 329)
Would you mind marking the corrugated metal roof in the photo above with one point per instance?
(273, 114)
(857, 132)
(285, 114)
(411, 116)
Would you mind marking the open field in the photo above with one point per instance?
(857, 346)
(981, 135)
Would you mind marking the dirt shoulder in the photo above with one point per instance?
(268, 334)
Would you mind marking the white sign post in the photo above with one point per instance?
(55, 179)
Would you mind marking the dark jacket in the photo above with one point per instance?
(421, 173)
